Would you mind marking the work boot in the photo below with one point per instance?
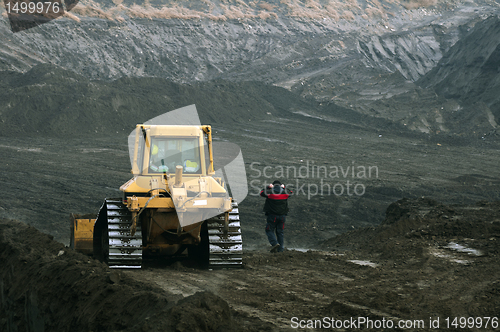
(275, 248)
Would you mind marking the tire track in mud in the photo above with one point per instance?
(267, 289)
(401, 278)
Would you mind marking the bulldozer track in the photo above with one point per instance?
(119, 249)
(226, 250)
(123, 249)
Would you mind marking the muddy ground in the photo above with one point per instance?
(45, 179)
(426, 265)
(411, 235)
(404, 266)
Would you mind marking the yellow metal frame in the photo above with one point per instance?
(82, 234)
(155, 203)
(173, 131)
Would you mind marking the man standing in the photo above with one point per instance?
(276, 209)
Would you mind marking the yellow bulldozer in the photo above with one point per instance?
(174, 203)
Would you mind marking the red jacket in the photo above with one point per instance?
(276, 200)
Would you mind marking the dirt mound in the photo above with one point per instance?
(446, 255)
(414, 223)
(393, 276)
(45, 286)
(48, 100)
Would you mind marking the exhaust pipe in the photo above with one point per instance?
(178, 176)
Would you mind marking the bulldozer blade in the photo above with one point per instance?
(82, 233)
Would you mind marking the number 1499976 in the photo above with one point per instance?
(471, 322)
(30, 7)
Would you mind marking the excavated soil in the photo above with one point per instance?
(426, 261)
(48, 287)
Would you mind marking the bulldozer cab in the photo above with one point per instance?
(160, 149)
(167, 153)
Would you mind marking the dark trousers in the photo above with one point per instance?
(275, 230)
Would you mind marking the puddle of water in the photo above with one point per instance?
(317, 117)
(94, 150)
(301, 249)
(464, 249)
(21, 148)
(264, 139)
(440, 254)
(326, 253)
(364, 263)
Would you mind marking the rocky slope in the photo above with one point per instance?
(363, 56)
(470, 74)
